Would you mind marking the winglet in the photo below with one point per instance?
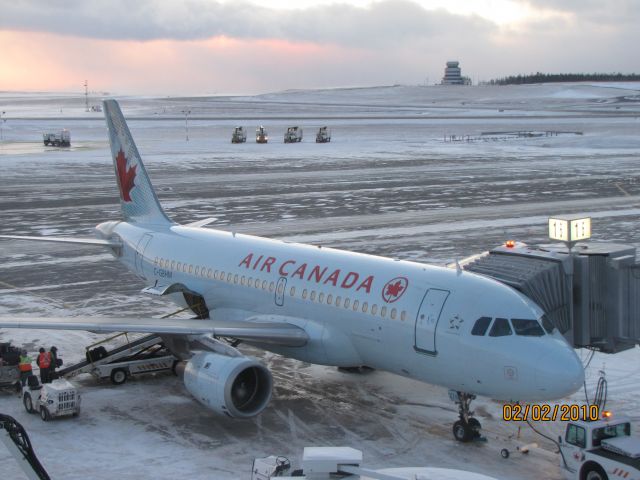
(138, 200)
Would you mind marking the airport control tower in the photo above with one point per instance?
(453, 74)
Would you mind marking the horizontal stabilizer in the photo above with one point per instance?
(201, 223)
(77, 240)
(275, 333)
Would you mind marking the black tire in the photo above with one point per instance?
(504, 453)
(18, 386)
(44, 414)
(593, 472)
(28, 402)
(462, 432)
(118, 376)
(475, 426)
(173, 367)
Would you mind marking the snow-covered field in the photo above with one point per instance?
(388, 183)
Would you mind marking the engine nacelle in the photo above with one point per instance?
(236, 386)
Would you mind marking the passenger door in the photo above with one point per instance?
(280, 288)
(427, 320)
(140, 249)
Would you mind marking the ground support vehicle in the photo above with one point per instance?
(146, 354)
(57, 139)
(293, 135)
(600, 450)
(323, 135)
(56, 399)
(9, 359)
(261, 135)
(239, 135)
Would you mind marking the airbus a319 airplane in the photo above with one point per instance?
(456, 329)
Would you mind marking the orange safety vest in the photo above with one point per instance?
(44, 360)
(25, 364)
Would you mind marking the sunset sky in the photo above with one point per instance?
(208, 47)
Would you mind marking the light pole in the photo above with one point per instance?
(186, 123)
(2, 120)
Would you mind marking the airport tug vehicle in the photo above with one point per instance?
(600, 450)
(239, 135)
(261, 135)
(323, 135)
(293, 135)
(9, 373)
(56, 399)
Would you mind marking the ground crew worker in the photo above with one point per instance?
(44, 362)
(25, 367)
(55, 363)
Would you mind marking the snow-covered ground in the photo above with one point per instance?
(388, 183)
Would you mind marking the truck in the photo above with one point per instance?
(600, 450)
(293, 135)
(261, 135)
(57, 139)
(323, 135)
(56, 399)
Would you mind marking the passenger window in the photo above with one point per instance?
(272, 287)
(338, 301)
(229, 275)
(313, 296)
(184, 268)
(155, 262)
(576, 436)
(500, 328)
(403, 315)
(394, 313)
(329, 299)
(374, 309)
(190, 268)
(292, 292)
(173, 264)
(304, 293)
(527, 328)
(356, 303)
(264, 284)
(548, 324)
(383, 312)
(481, 326)
(178, 265)
(365, 307)
(321, 298)
(197, 272)
(235, 279)
(347, 302)
(243, 280)
(209, 273)
(203, 270)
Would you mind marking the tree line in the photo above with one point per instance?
(565, 77)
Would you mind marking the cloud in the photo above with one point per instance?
(386, 22)
(610, 12)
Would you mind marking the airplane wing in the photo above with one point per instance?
(75, 240)
(251, 330)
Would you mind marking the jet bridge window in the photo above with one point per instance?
(500, 328)
(527, 328)
(481, 326)
(576, 436)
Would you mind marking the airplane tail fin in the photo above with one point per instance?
(138, 200)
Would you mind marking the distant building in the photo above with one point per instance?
(453, 75)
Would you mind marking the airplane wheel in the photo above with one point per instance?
(118, 376)
(475, 426)
(28, 403)
(44, 414)
(462, 432)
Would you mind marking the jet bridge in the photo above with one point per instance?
(602, 280)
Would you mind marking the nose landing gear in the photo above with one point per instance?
(467, 428)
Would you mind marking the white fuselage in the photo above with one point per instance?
(404, 317)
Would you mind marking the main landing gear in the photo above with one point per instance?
(467, 428)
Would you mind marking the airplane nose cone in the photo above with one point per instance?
(559, 373)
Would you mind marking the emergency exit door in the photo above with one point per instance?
(427, 319)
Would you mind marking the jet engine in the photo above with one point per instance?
(236, 386)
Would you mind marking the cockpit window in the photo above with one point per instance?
(500, 328)
(527, 328)
(548, 324)
(481, 326)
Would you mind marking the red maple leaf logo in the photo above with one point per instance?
(394, 289)
(125, 177)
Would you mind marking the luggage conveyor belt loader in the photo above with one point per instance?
(146, 354)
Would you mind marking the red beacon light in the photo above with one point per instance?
(510, 243)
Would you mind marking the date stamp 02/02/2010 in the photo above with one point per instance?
(564, 412)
